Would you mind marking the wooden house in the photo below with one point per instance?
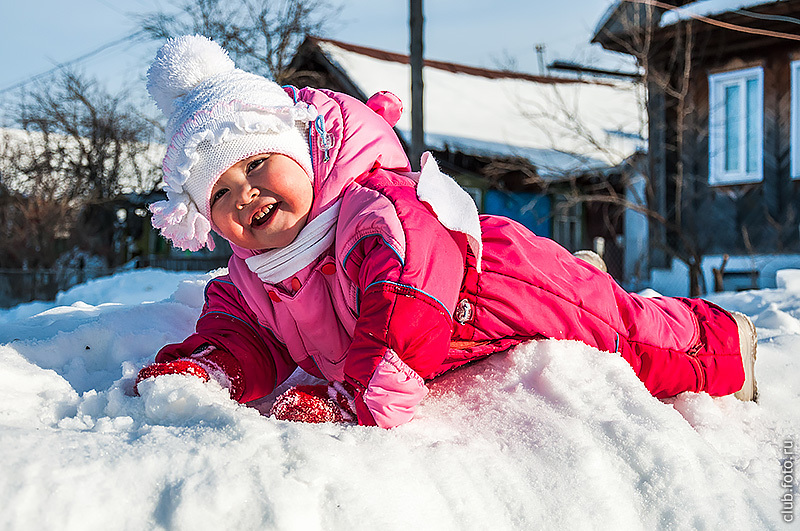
(723, 81)
(531, 147)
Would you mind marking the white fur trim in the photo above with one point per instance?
(454, 207)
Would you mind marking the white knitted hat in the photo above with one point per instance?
(218, 115)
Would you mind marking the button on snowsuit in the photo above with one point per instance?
(398, 299)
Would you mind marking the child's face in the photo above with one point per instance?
(262, 202)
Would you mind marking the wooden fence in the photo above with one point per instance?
(24, 285)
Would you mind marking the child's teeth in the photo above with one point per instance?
(260, 215)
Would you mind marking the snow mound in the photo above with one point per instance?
(553, 434)
(789, 280)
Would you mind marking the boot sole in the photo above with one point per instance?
(748, 341)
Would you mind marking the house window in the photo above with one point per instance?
(736, 126)
(795, 120)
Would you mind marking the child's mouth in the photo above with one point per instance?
(264, 215)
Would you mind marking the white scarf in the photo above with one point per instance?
(279, 264)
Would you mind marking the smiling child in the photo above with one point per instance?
(372, 277)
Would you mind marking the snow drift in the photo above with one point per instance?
(552, 434)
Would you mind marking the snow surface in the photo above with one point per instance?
(708, 8)
(552, 435)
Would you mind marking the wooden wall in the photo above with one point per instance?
(737, 219)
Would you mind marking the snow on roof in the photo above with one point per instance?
(607, 15)
(561, 125)
(708, 8)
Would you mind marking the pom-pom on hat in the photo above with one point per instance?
(217, 116)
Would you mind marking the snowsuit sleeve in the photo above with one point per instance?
(407, 294)
(229, 325)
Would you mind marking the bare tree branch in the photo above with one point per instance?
(76, 146)
(260, 35)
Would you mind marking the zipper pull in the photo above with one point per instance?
(325, 140)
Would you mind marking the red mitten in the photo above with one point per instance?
(179, 366)
(206, 362)
(315, 404)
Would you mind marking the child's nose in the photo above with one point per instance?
(246, 194)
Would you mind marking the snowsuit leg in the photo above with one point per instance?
(532, 287)
(712, 362)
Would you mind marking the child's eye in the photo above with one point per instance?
(218, 194)
(255, 163)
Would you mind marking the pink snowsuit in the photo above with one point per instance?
(397, 299)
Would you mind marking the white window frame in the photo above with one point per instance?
(795, 121)
(717, 83)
